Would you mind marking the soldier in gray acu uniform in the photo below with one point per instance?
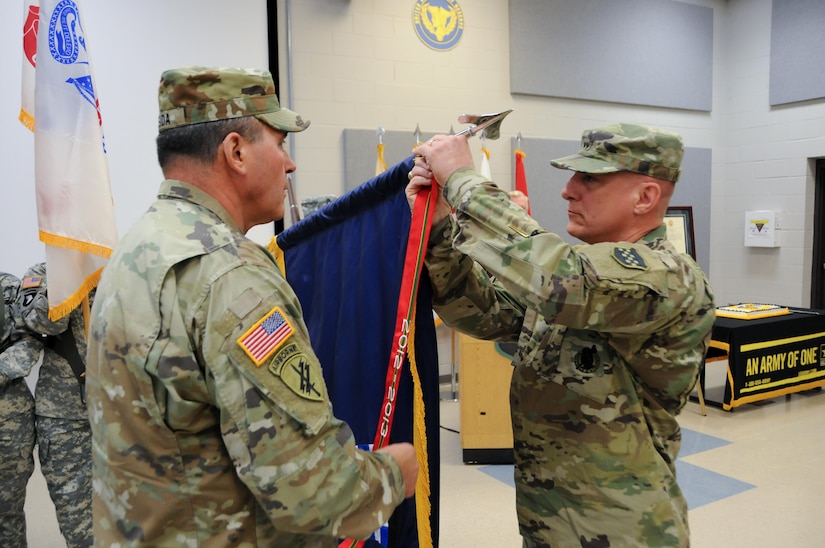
(56, 417)
(64, 439)
(611, 333)
(17, 419)
(210, 417)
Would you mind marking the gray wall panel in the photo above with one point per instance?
(642, 52)
(544, 182)
(797, 46)
(360, 152)
(544, 185)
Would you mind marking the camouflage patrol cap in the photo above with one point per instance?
(627, 147)
(193, 95)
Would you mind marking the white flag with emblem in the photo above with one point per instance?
(75, 213)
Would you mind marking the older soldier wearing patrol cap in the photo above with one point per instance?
(210, 417)
(611, 333)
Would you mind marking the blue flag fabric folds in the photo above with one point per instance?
(345, 263)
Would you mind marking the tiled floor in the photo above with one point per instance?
(753, 478)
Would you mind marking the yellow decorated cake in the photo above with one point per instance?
(750, 311)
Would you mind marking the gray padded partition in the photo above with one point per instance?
(797, 44)
(545, 183)
(641, 52)
(360, 152)
(693, 189)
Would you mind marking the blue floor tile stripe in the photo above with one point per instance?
(699, 485)
(694, 442)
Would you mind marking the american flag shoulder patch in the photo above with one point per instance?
(264, 338)
(32, 281)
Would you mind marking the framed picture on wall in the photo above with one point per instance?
(679, 223)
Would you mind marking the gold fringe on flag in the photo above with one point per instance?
(75, 299)
(26, 119)
(89, 248)
(422, 486)
(277, 254)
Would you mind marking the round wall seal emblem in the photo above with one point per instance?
(438, 23)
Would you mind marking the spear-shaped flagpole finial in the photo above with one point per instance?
(417, 134)
(489, 122)
(518, 141)
(380, 133)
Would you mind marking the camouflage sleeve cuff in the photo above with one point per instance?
(396, 482)
(458, 183)
(441, 232)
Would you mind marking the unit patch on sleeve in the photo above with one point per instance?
(296, 371)
(629, 258)
(266, 336)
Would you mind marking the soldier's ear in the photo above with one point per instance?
(648, 194)
(234, 151)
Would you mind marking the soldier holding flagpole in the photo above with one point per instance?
(211, 420)
(611, 333)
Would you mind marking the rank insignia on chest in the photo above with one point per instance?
(264, 338)
(629, 258)
(587, 360)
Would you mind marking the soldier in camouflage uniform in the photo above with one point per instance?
(17, 424)
(611, 333)
(210, 417)
(64, 439)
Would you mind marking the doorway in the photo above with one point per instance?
(818, 253)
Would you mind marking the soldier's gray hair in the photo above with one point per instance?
(200, 141)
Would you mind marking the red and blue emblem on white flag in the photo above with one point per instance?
(266, 336)
(75, 212)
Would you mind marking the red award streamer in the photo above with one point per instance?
(413, 263)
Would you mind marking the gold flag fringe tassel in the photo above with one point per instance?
(422, 487)
(75, 299)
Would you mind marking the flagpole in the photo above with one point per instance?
(294, 211)
(86, 315)
(453, 390)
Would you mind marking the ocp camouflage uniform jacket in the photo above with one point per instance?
(610, 340)
(193, 443)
